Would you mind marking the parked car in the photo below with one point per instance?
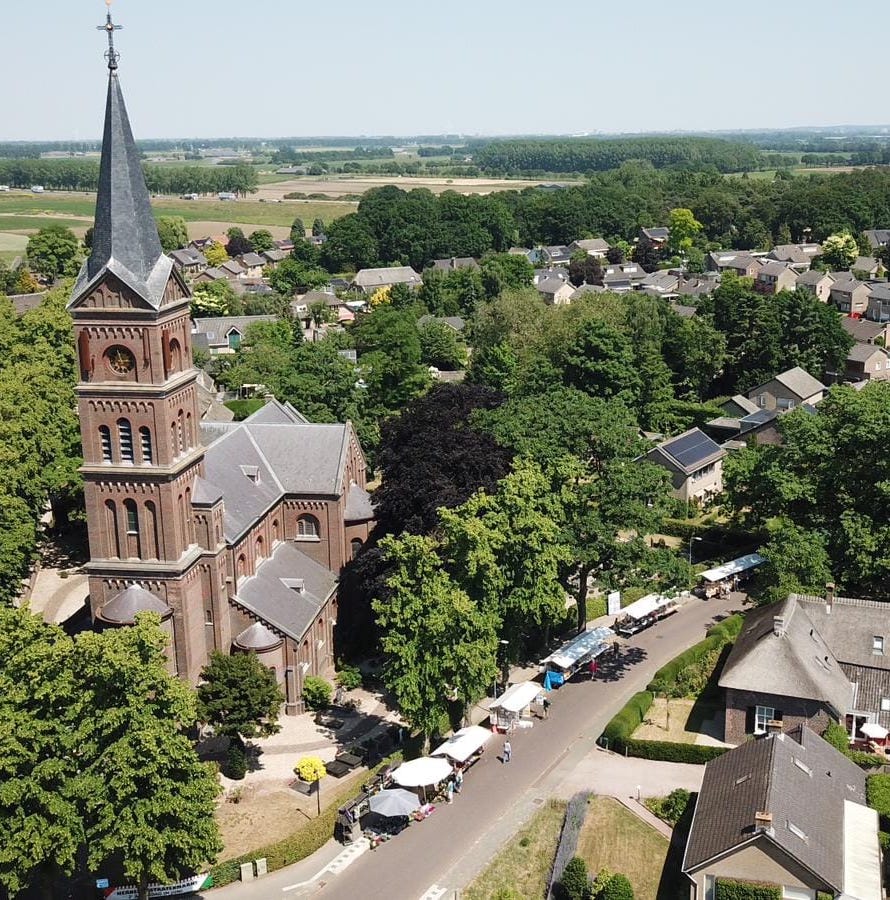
(37, 189)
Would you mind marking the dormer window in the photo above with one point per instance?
(298, 585)
(234, 339)
(251, 473)
(877, 645)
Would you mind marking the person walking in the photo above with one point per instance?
(449, 790)
(546, 705)
(458, 781)
(508, 751)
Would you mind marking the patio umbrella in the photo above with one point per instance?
(394, 802)
(873, 730)
(422, 772)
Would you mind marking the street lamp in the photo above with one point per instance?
(497, 653)
(693, 538)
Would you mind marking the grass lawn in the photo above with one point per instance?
(11, 246)
(524, 864)
(614, 838)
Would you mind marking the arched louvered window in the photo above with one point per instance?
(145, 443)
(105, 442)
(125, 439)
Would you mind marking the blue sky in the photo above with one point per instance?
(291, 67)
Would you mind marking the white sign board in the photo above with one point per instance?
(613, 603)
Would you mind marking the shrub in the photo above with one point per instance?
(576, 813)
(877, 791)
(727, 889)
(236, 763)
(696, 754)
(671, 808)
(316, 692)
(310, 768)
(574, 884)
(348, 676)
(866, 760)
(884, 840)
(837, 736)
(618, 888)
(627, 720)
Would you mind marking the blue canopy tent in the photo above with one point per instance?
(575, 653)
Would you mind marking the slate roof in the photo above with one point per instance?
(850, 626)
(740, 403)
(218, 327)
(374, 278)
(359, 507)
(269, 594)
(774, 269)
(189, 256)
(587, 289)
(123, 608)
(598, 245)
(252, 259)
(454, 322)
(795, 253)
(799, 779)
(214, 273)
(878, 237)
(125, 235)
(257, 637)
(812, 277)
(276, 413)
(796, 380)
(232, 267)
(660, 281)
(798, 662)
(864, 352)
(274, 255)
(454, 263)
(685, 312)
(866, 264)
(551, 285)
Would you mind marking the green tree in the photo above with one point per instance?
(440, 347)
(149, 801)
(439, 645)
(39, 803)
(316, 692)
(618, 887)
(574, 883)
(297, 230)
(262, 240)
(54, 251)
(685, 228)
(213, 298)
(239, 697)
(839, 251)
(318, 227)
(215, 254)
(797, 561)
(173, 233)
(292, 277)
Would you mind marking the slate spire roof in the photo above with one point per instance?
(125, 237)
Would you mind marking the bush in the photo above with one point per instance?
(837, 736)
(316, 692)
(877, 790)
(671, 808)
(866, 760)
(627, 720)
(727, 889)
(348, 676)
(695, 754)
(236, 763)
(241, 409)
(574, 884)
(618, 888)
(576, 813)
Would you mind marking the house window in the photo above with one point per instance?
(208, 616)
(762, 401)
(762, 715)
(234, 339)
(885, 704)
(877, 645)
(125, 437)
(105, 441)
(145, 441)
(307, 528)
(794, 893)
(132, 517)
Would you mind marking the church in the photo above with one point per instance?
(234, 532)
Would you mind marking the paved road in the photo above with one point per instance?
(453, 844)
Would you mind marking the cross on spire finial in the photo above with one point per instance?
(109, 28)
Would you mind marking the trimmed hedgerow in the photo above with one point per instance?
(727, 889)
(666, 751)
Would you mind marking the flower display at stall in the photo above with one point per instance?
(310, 768)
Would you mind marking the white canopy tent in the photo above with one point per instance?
(464, 743)
(586, 645)
(507, 710)
(422, 772)
(734, 567)
(646, 606)
(875, 731)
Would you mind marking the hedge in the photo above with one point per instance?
(311, 837)
(668, 751)
(576, 813)
(626, 721)
(727, 889)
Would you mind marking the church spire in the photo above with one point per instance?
(125, 236)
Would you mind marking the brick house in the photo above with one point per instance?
(788, 390)
(866, 362)
(774, 277)
(850, 295)
(595, 247)
(695, 463)
(817, 283)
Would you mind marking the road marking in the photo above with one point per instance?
(434, 893)
(345, 858)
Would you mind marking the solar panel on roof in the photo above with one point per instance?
(759, 417)
(691, 448)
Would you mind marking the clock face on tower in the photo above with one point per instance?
(120, 360)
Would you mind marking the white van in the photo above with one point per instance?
(37, 188)
(4, 188)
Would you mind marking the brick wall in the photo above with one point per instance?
(794, 711)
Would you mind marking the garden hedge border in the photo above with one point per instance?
(572, 823)
(729, 889)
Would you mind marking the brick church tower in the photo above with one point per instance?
(138, 407)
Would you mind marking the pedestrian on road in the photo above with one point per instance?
(546, 705)
(458, 781)
(592, 668)
(449, 790)
(508, 751)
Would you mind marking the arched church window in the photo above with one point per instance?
(105, 442)
(145, 442)
(307, 528)
(134, 549)
(125, 439)
(175, 356)
(258, 548)
(114, 537)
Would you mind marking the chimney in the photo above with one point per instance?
(779, 626)
(774, 726)
(763, 821)
(829, 597)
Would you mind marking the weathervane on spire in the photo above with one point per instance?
(109, 28)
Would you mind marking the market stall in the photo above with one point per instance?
(464, 747)
(722, 579)
(512, 709)
(644, 612)
(428, 771)
(576, 653)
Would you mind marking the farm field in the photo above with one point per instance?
(11, 246)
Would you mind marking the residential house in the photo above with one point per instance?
(817, 283)
(757, 427)
(695, 463)
(864, 331)
(190, 261)
(739, 406)
(287, 245)
(555, 291)
(233, 269)
(867, 267)
(550, 272)
(210, 275)
(533, 256)
(202, 243)
(274, 257)
(455, 323)
(788, 390)
(807, 661)
(558, 255)
(684, 312)
(741, 262)
(455, 263)
(774, 277)
(621, 277)
(800, 256)
(850, 295)
(697, 285)
(659, 284)
(878, 309)
(656, 237)
(587, 289)
(865, 362)
(369, 280)
(253, 265)
(878, 237)
(223, 334)
(789, 811)
(596, 247)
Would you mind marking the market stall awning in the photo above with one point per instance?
(589, 643)
(873, 730)
(516, 698)
(735, 567)
(394, 802)
(422, 772)
(464, 743)
(647, 605)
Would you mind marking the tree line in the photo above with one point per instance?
(513, 157)
(83, 175)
